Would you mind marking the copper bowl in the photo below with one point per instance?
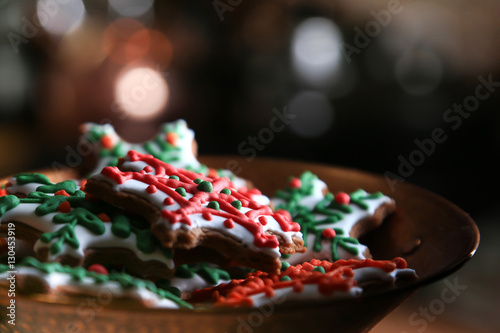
(432, 234)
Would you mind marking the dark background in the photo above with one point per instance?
(229, 64)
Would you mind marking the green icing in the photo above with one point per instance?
(319, 269)
(211, 275)
(181, 191)
(326, 212)
(7, 203)
(83, 213)
(26, 178)
(124, 280)
(236, 204)
(205, 186)
(284, 265)
(214, 205)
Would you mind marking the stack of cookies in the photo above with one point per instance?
(154, 225)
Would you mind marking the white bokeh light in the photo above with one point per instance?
(314, 113)
(131, 8)
(419, 71)
(60, 17)
(316, 51)
(141, 93)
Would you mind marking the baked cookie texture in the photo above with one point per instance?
(187, 210)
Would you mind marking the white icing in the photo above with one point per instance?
(310, 292)
(25, 213)
(87, 286)
(346, 224)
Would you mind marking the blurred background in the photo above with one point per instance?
(409, 89)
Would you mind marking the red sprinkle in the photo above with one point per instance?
(148, 168)
(62, 192)
(328, 233)
(342, 198)
(168, 201)
(64, 207)
(151, 189)
(295, 183)
(263, 220)
(3, 192)
(338, 276)
(207, 216)
(172, 138)
(229, 224)
(106, 142)
(97, 268)
(104, 217)
(83, 182)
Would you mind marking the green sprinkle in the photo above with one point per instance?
(284, 265)
(236, 204)
(226, 191)
(197, 180)
(181, 191)
(319, 269)
(285, 278)
(213, 205)
(174, 177)
(205, 186)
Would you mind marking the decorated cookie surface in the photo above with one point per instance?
(63, 224)
(313, 280)
(188, 210)
(32, 276)
(174, 144)
(331, 223)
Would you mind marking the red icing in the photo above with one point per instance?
(3, 192)
(97, 268)
(168, 201)
(160, 179)
(106, 142)
(342, 198)
(151, 189)
(62, 192)
(64, 207)
(328, 233)
(338, 276)
(172, 138)
(295, 183)
(104, 217)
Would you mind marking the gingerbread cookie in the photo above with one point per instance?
(331, 223)
(188, 210)
(313, 280)
(34, 277)
(173, 144)
(62, 224)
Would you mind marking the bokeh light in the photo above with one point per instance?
(14, 82)
(131, 8)
(314, 113)
(60, 17)
(141, 93)
(419, 71)
(126, 41)
(316, 51)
